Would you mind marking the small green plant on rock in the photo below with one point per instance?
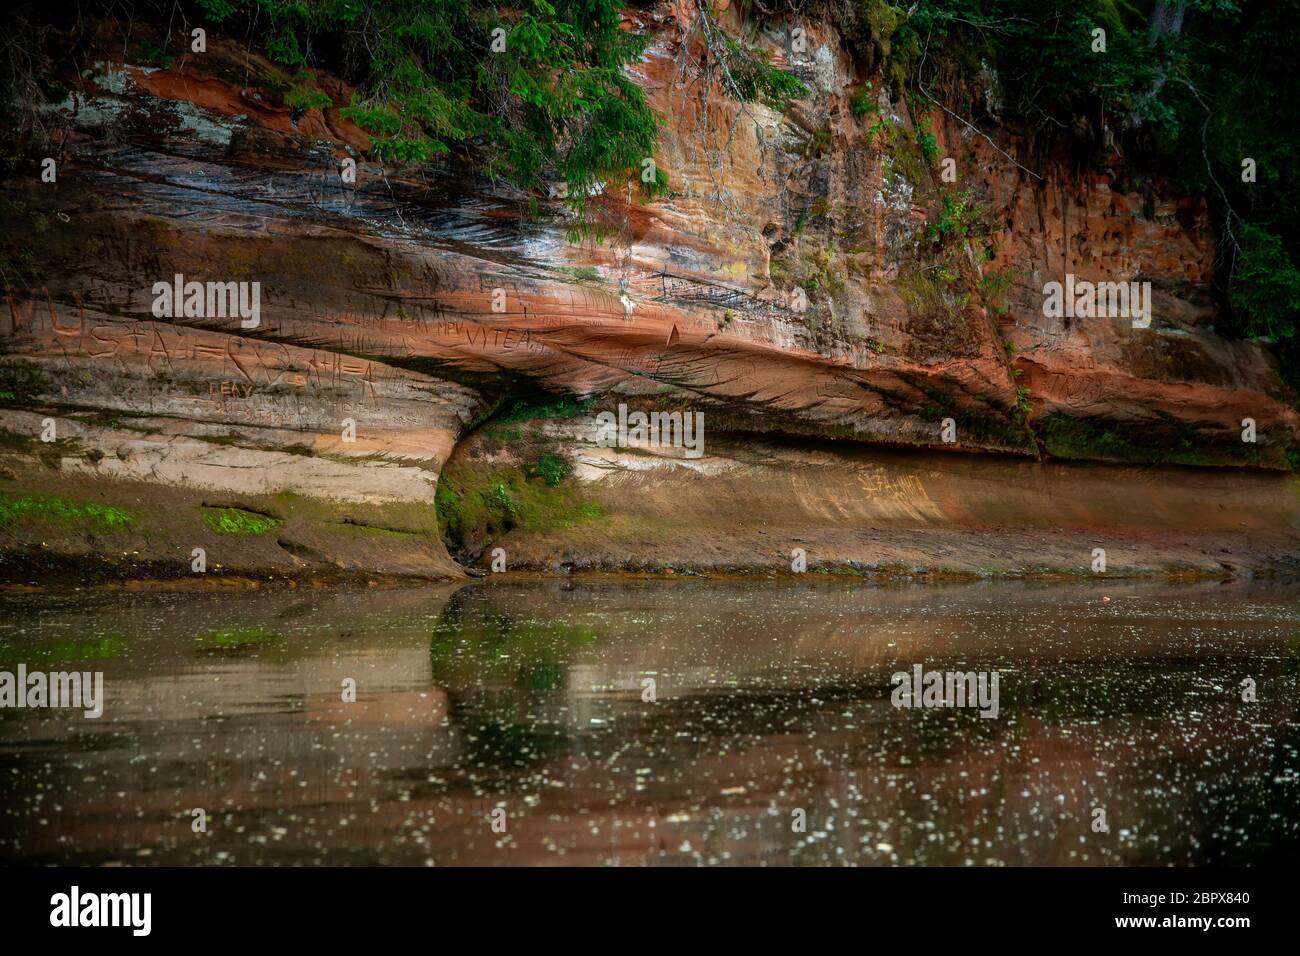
(961, 218)
(552, 469)
(864, 104)
(237, 521)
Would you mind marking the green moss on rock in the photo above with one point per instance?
(15, 509)
(237, 521)
(478, 502)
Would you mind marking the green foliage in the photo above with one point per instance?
(962, 217)
(477, 502)
(1068, 437)
(1042, 50)
(1024, 402)
(544, 406)
(1267, 284)
(49, 508)
(934, 295)
(864, 103)
(656, 187)
(993, 288)
(904, 152)
(239, 521)
(1235, 94)
(552, 469)
(757, 79)
(153, 55)
(554, 105)
(926, 141)
(1164, 440)
(217, 9)
(305, 96)
(819, 272)
(1197, 100)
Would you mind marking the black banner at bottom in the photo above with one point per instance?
(372, 905)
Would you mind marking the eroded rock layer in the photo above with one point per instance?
(790, 285)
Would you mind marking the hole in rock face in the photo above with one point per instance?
(772, 233)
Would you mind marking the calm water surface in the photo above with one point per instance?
(527, 697)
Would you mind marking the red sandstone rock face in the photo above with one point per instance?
(411, 301)
(1104, 369)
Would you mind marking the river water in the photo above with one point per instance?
(658, 722)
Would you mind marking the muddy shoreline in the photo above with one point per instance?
(746, 511)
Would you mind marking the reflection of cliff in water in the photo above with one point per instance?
(768, 698)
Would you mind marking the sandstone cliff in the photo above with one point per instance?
(796, 285)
